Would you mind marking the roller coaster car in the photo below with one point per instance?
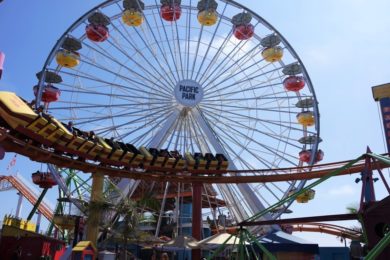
(23, 119)
(148, 157)
(93, 151)
(190, 161)
(104, 152)
(158, 160)
(212, 163)
(51, 132)
(179, 161)
(138, 157)
(19, 116)
(223, 163)
(115, 155)
(127, 155)
(200, 162)
(170, 161)
(16, 114)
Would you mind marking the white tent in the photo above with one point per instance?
(219, 239)
(180, 243)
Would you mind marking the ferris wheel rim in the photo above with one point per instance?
(264, 22)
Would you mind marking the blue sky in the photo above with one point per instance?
(343, 44)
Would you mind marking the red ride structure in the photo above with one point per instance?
(170, 12)
(97, 30)
(49, 94)
(97, 33)
(305, 155)
(242, 28)
(294, 83)
(44, 180)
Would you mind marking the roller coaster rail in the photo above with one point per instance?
(29, 194)
(40, 154)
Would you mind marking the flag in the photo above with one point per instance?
(12, 163)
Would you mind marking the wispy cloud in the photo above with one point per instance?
(345, 190)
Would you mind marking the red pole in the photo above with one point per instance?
(196, 217)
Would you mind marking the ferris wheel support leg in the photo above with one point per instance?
(19, 206)
(196, 216)
(37, 204)
(95, 212)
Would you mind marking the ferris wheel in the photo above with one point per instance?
(207, 76)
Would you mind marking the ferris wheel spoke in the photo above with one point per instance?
(118, 48)
(170, 75)
(217, 70)
(140, 53)
(240, 91)
(172, 135)
(109, 56)
(199, 138)
(188, 37)
(244, 108)
(207, 71)
(268, 204)
(243, 126)
(129, 80)
(122, 115)
(247, 78)
(197, 51)
(116, 96)
(148, 47)
(158, 45)
(271, 191)
(237, 156)
(165, 130)
(169, 46)
(162, 118)
(234, 141)
(90, 105)
(210, 43)
(249, 108)
(239, 201)
(177, 129)
(164, 78)
(187, 136)
(251, 140)
(92, 78)
(191, 137)
(178, 47)
(236, 63)
(270, 97)
(221, 65)
(283, 124)
(280, 190)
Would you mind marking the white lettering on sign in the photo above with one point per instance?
(188, 93)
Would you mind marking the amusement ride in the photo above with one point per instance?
(176, 105)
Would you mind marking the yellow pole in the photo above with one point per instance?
(95, 212)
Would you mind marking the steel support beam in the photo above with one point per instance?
(338, 217)
(197, 216)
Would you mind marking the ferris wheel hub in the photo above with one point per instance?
(188, 92)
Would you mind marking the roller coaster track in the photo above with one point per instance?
(330, 229)
(29, 194)
(160, 174)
